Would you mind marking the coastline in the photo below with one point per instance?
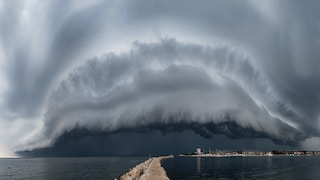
(149, 169)
(218, 154)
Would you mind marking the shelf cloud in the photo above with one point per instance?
(167, 83)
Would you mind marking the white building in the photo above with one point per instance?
(198, 151)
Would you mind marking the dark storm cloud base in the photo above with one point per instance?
(156, 139)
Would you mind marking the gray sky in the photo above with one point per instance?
(243, 69)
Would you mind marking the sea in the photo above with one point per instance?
(275, 167)
(259, 167)
(94, 168)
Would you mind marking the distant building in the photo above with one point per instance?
(198, 151)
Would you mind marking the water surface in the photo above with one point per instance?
(66, 168)
(284, 167)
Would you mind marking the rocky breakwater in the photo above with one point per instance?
(150, 169)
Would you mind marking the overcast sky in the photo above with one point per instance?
(241, 70)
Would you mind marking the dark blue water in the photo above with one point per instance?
(243, 168)
(66, 168)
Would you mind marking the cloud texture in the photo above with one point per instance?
(243, 69)
(166, 83)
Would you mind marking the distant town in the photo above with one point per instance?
(200, 153)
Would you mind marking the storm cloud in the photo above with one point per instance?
(240, 69)
(166, 82)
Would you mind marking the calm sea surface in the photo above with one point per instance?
(243, 168)
(177, 168)
(66, 168)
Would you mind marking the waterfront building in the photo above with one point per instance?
(198, 151)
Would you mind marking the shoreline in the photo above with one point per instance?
(218, 154)
(247, 155)
(253, 154)
(149, 169)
